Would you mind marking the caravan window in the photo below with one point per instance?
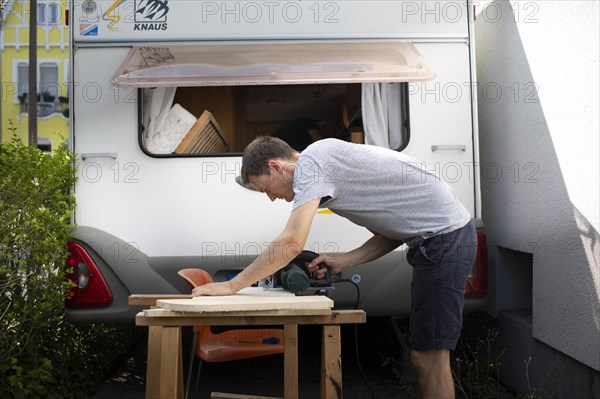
(223, 120)
(214, 98)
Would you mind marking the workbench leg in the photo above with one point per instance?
(290, 361)
(331, 363)
(171, 378)
(153, 364)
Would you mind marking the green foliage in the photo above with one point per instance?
(36, 206)
(474, 363)
(475, 367)
(41, 355)
(75, 360)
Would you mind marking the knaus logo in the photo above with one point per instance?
(150, 15)
(144, 14)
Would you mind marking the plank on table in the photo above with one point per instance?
(247, 299)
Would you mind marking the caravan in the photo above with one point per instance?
(167, 94)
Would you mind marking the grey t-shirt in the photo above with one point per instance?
(378, 188)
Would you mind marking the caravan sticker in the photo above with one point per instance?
(147, 15)
(112, 15)
(89, 12)
(88, 29)
(151, 15)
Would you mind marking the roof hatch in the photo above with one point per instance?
(272, 62)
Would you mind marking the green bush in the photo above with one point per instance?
(36, 206)
(41, 355)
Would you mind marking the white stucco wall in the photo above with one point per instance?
(537, 67)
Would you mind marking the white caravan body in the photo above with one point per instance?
(149, 214)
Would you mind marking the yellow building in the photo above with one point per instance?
(52, 69)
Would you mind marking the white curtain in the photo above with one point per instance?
(381, 114)
(166, 123)
(157, 105)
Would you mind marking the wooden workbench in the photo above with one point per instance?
(164, 377)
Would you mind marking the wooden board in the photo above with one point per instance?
(150, 299)
(161, 312)
(248, 299)
(203, 138)
(149, 318)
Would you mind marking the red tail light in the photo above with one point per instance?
(90, 289)
(477, 281)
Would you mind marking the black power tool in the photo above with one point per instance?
(296, 277)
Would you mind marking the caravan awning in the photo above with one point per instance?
(272, 62)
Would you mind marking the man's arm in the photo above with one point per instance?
(372, 249)
(278, 253)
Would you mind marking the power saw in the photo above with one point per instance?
(296, 278)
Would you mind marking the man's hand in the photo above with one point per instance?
(334, 263)
(214, 289)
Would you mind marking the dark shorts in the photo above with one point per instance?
(441, 265)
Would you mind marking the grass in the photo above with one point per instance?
(474, 363)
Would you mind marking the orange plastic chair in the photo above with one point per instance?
(230, 345)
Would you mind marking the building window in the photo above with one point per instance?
(47, 89)
(48, 14)
(49, 79)
(22, 78)
(44, 144)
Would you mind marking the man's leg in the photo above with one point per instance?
(441, 266)
(434, 377)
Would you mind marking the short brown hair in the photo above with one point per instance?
(258, 154)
